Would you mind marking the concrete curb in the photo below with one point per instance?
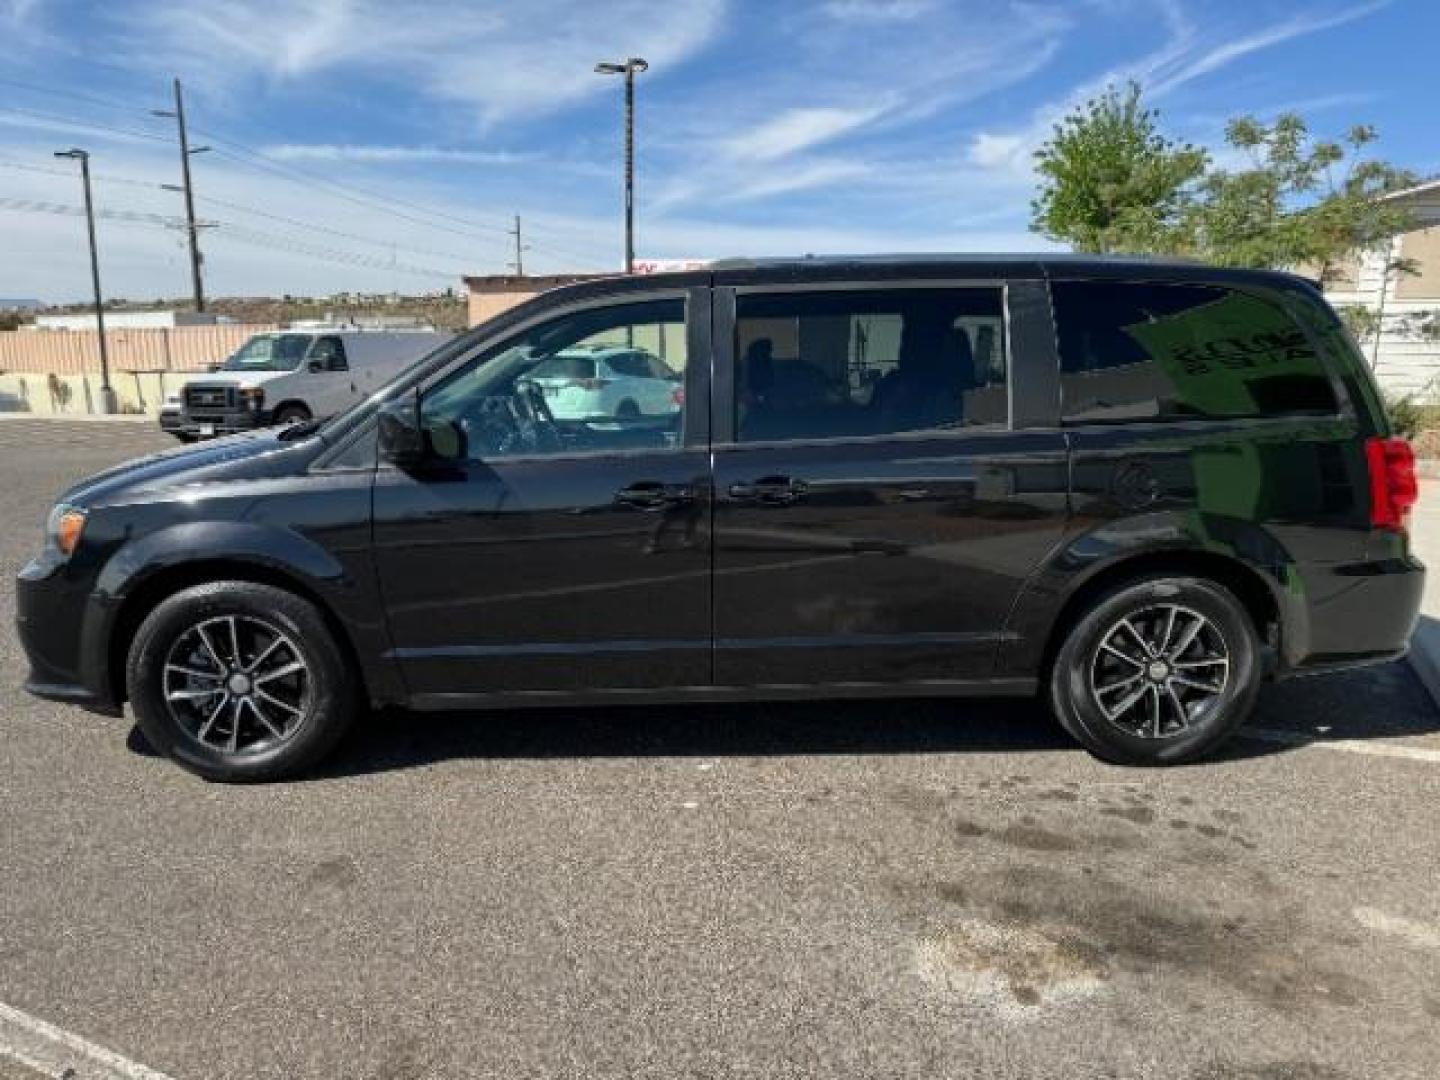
(1424, 656)
(1425, 543)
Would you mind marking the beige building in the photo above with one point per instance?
(488, 296)
(1403, 359)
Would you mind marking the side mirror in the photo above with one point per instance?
(401, 438)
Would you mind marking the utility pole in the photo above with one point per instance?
(192, 229)
(107, 394)
(629, 68)
(519, 263)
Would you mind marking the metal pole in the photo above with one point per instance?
(189, 201)
(629, 168)
(519, 259)
(107, 395)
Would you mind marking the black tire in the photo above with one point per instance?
(322, 712)
(627, 410)
(1182, 727)
(290, 414)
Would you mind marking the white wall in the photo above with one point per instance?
(1402, 363)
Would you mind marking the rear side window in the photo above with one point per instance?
(1182, 352)
(634, 365)
(565, 366)
(822, 365)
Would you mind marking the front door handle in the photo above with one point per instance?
(770, 490)
(651, 495)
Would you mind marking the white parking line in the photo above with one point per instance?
(1349, 746)
(61, 1054)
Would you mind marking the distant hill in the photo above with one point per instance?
(444, 310)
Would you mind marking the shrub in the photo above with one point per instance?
(1410, 414)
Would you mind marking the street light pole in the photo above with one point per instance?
(191, 228)
(629, 68)
(107, 394)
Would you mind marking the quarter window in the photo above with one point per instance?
(819, 365)
(1182, 352)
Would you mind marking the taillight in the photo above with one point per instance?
(677, 396)
(1393, 490)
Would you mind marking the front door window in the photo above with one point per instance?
(607, 379)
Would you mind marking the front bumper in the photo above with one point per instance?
(203, 425)
(55, 618)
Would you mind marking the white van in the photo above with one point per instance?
(288, 376)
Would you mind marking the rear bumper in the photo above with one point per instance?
(1351, 615)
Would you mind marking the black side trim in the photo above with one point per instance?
(567, 648)
(943, 688)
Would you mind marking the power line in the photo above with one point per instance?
(88, 125)
(230, 232)
(88, 99)
(256, 159)
(242, 208)
(249, 155)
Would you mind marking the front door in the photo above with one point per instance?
(876, 508)
(553, 544)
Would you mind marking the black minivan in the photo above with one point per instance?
(1136, 488)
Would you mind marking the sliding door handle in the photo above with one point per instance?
(769, 490)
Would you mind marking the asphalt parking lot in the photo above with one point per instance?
(915, 888)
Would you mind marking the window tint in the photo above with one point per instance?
(330, 352)
(1178, 352)
(830, 365)
(539, 393)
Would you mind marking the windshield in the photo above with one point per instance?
(269, 352)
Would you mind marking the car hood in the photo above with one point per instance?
(240, 379)
(216, 459)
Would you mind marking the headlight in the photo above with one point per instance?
(64, 527)
(253, 397)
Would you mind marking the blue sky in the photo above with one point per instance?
(376, 145)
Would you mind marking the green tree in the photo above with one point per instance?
(1300, 202)
(1111, 181)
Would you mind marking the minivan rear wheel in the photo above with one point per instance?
(239, 681)
(1158, 671)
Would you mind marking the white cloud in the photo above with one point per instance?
(388, 155)
(990, 151)
(1181, 57)
(797, 129)
(504, 61)
(1265, 38)
(18, 10)
(879, 10)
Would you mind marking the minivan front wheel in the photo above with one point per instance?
(1157, 671)
(239, 681)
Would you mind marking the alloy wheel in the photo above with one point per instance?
(1158, 671)
(237, 683)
